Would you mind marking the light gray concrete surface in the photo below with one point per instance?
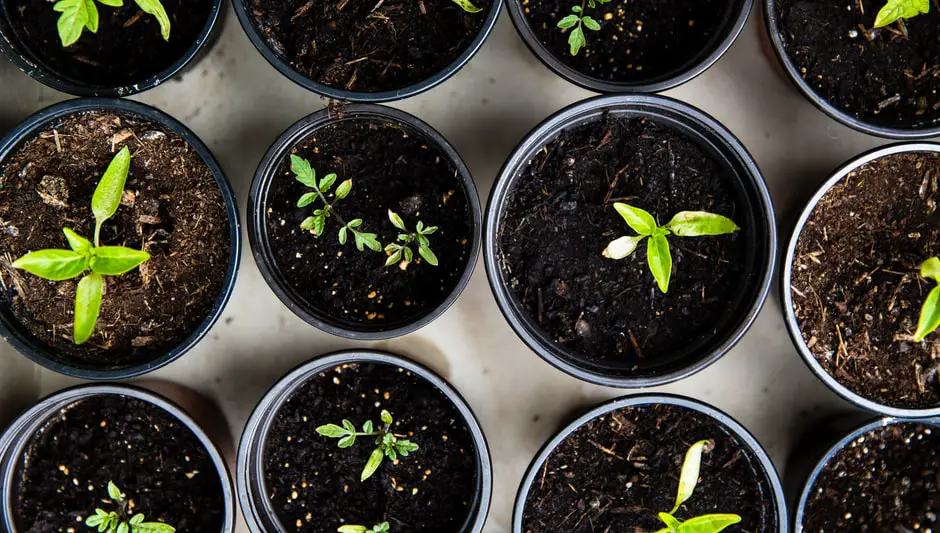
(238, 104)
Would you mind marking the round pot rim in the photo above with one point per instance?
(793, 328)
(282, 66)
(685, 73)
(774, 31)
(32, 125)
(722, 418)
(521, 155)
(52, 79)
(256, 216)
(258, 424)
(14, 439)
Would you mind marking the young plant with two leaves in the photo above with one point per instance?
(929, 319)
(80, 15)
(378, 528)
(577, 21)
(121, 521)
(401, 253)
(895, 10)
(387, 443)
(683, 224)
(89, 260)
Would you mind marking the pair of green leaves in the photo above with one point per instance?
(388, 444)
(683, 224)
(398, 252)
(895, 10)
(59, 265)
(378, 528)
(929, 312)
(113, 522)
(468, 6)
(79, 15)
(688, 479)
(578, 21)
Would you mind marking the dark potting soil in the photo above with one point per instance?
(315, 486)
(875, 75)
(885, 480)
(855, 285)
(368, 46)
(560, 216)
(156, 461)
(392, 167)
(172, 208)
(639, 40)
(127, 49)
(639, 452)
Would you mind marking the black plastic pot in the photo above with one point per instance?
(38, 351)
(20, 54)
(17, 436)
(243, 11)
(793, 328)
(252, 493)
(261, 247)
(751, 194)
(730, 28)
(535, 467)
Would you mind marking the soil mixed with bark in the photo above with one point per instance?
(855, 285)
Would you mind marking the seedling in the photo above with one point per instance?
(401, 253)
(895, 10)
(930, 312)
(467, 6)
(578, 20)
(684, 224)
(317, 222)
(709, 523)
(79, 15)
(60, 265)
(378, 528)
(118, 521)
(388, 444)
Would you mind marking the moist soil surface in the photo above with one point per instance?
(127, 49)
(855, 285)
(172, 208)
(315, 486)
(156, 461)
(366, 46)
(392, 167)
(880, 75)
(640, 451)
(886, 480)
(639, 40)
(560, 216)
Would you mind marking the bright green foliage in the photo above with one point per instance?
(401, 253)
(684, 224)
(378, 528)
(118, 521)
(896, 10)
(387, 443)
(930, 312)
(59, 265)
(711, 523)
(468, 6)
(79, 15)
(578, 21)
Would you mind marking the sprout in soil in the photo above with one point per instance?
(709, 523)
(378, 528)
(317, 223)
(388, 444)
(684, 224)
(78, 15)
(401, 253)
(118, 521)
(930, 312)
(467, 6)
(895, 10)
(60, 265)
(578, 20)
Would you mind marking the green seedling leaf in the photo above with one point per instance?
(76, 16)
(87, 307)
(77, 242)
(303, 172)
(352, 529)
(467, 6)
(895, 10)
(671, 523)
(375, 460)
(711, 523)
(568, 22)
(108, 193)
(660, 260)
(342, 235)
(622, 247)
(331, 430)
(428, 255)
(307, 199)
(394, 258)
(396, 220)
(154, 527)
(700, 223)
(576, 40)
(343, 190)
(54, 265)
(155, 8)
(381, 528)
(123, 528)
(138, 518)
(638, 220)
(590, 23)
(116, 260)
(930, 269)
(929, 318)
(367, 240)
(690, 472)
(327, 182)
(308, 223)
(114, 492)
(386, 417)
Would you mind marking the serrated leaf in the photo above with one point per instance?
(343, 190)
(895, 10)
(591, 24)
(303, 172)
(327, 182)
(76, 242)
(467, 6)
(622, 247)
(700, 223)
(307, 199)
(660, 260)
(116, 260)
(73, 21)
(396, 220)
(367, 240)
(54, 265)
(428, 255)
(691, 466)
(87, 307)
(576, 40)
(568, 22)
(347, 441)
(331, 430)
(108, 193)
(155, 8)
(638, 220)
(375, 460)
(712, 523)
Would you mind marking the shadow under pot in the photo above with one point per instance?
(129, 51)
(104, 278)
(365, 224)
(600, 205)
(364, 439)
(660, 454)
(368, 52)
(852, 293)
(880, 81)
(59, 460)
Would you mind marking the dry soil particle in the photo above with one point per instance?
(855, 284)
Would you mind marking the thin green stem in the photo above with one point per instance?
(327, 204)
(97, 233)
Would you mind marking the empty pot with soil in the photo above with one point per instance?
(861, 64)
(118, 449)
(109, 47)
(365, 223)
(363, 439)
(852, 287)
(630, 240)
(368, 51)
(120, 238)
(668, 463)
